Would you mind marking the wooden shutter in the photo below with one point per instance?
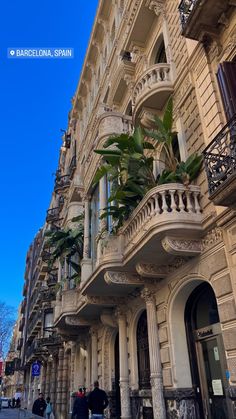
(226, 76)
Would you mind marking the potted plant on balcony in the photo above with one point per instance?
(65, 244)
(128, 166)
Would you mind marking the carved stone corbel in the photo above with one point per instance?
(122, 278)
(151, 270)
(76, 321)
(184, 247)
(157, 6)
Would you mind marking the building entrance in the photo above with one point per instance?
(207, 356)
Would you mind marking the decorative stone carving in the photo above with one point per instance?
(122, 278)
(75, 321)
(177, 246)
(157, 6)
(212, 238)
(150, 270)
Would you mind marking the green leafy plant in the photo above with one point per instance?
(128, 165)
(163, 138)
(129, 169)
(65, 243)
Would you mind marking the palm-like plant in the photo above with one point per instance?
(163, 137)
(65, 243)
(128, 165)
(129, 169)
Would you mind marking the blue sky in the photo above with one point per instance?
(35, 101)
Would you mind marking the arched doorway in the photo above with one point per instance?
(206, 353)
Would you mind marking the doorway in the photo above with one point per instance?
(206, 352)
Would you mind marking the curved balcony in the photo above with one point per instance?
(167, 212)
(163, 231)
(153, 88)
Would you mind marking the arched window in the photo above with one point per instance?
(143, 352)
(161, 54)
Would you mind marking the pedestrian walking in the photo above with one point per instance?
(97, 401)
(48, 408)
(80, 408)
(39, 406)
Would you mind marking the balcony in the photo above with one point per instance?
(50, 341)
(23, 306)
(67, 306)
(220, 166)
(47, 294)
(203, 17)
(53, 214)
(153, 88)
(19, 344)
(45, 255)
(72, 167)
(34, 351)
(62, 183)
(21, 324)
(167, 224)
(35, 323)
(52, 279)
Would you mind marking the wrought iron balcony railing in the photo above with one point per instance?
(53, 214)
(47, 294)
(72, 166)
(52, 279)
(185, 9)
(204, 17)
(62, 182)
(220, 165)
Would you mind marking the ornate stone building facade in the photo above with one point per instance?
(154, 316)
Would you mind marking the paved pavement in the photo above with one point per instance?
(9, 413)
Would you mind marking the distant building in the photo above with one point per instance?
(154, 316)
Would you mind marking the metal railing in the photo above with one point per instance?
(220, 156)
(62, 182)
(53, 214)
(185, 9)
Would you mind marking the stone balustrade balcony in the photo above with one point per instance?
(166, 224)
(220, 166)
(153, 88)
(171, 210)
(66, 306)
(204, 17)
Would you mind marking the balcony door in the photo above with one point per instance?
(207, 355)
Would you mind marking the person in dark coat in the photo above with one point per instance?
(80, 408)
(39, 406)
(97, 401)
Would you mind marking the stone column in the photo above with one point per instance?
(53, 379)
(64, 392)
(124, 366)
(59, 382)
(73, 354)
(159, 411)
(81, 381)
(88, 364)
(94, 354)
(103, 201)
(43, 378)
(47, 381)
(86, 254)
